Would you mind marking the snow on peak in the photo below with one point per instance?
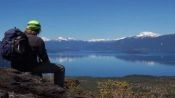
(64, 38)
(147, 34)
(97, 40)
(45, 38)
(102, 40)
(120, 38)
(58, 39)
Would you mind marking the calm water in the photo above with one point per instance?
(112, 64)
(115, 64)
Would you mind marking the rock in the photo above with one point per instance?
(3, 94)
(24, 85)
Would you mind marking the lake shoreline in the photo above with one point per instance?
(110, 77)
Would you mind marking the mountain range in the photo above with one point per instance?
(145, 42)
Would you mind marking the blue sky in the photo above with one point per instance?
(87, 19)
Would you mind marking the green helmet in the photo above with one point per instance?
(34, 25)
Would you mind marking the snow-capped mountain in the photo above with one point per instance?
(60, 38)
(46, 39)
(98, 40)
(140, 35)
(73, 39)
(147, 34)
(105, 40)
(145, 42)
(64, 38)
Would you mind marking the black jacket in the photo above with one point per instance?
(37, 54)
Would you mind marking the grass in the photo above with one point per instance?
(134, 86)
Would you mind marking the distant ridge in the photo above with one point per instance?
(145, 42)
(140, 35)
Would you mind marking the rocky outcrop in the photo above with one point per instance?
(16, 84)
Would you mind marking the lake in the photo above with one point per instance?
(101, 64)
(110, 64)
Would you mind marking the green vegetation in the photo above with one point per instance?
(135, 86)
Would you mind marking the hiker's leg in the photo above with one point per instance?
(59, 75)
(22, 67)
(58, 70)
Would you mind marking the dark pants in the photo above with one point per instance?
(57, 69)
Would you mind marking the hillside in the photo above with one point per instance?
(135, 44)
(15, 84)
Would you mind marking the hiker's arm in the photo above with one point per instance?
(42, 53)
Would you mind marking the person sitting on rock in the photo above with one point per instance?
(37, 61)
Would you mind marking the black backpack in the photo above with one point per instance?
(14, 45)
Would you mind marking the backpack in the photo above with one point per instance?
(14, 45)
